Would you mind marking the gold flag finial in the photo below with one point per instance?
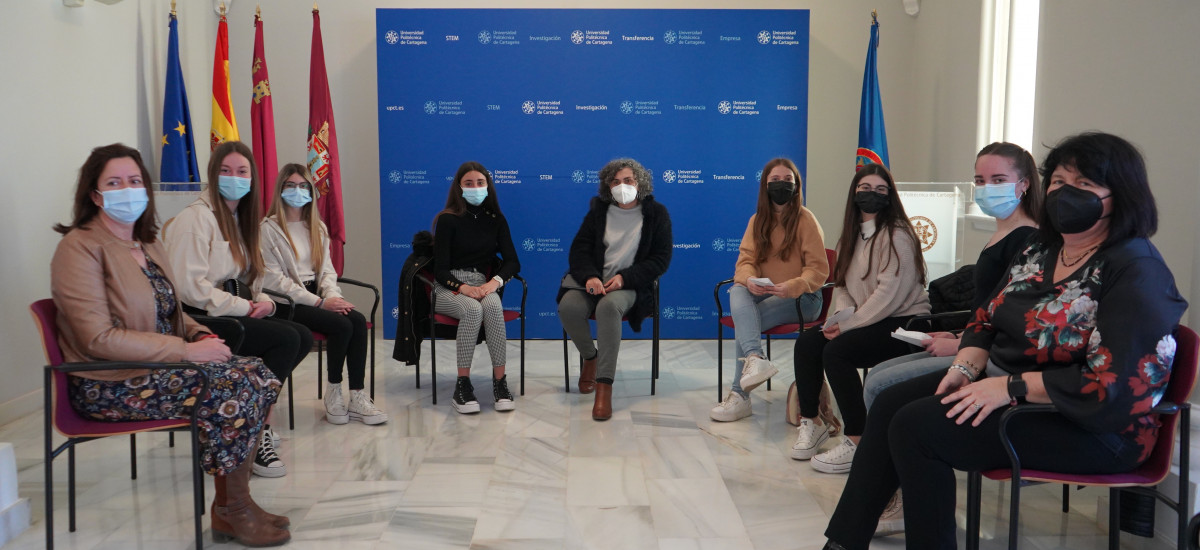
(172, 7)
(258, 11)
(222, 10)
(874, 17)
(315, 7)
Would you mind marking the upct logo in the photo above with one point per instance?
(669, 37)
(529, 244)
(391, 37)
(724, 107)
(485, 37)
(764, 37)
(528, 107)
(626, 107)
(394, 176)
(718, 245)
(668, 176)
(577, 36)
(430, 107)
(577, 176)
(396, 312)
(668, 312)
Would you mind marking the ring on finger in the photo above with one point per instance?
(977, 406)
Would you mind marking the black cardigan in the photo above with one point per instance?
(653, 255)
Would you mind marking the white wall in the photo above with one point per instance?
(93, 75)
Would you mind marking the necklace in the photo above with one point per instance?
(1074, 259)
(863, 236)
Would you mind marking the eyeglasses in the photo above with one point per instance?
(882, 189)
(297, 185)
(626, 181)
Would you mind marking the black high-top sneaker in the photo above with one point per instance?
(504, 398)
(464, 396)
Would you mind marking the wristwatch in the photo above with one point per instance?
(1017, 389)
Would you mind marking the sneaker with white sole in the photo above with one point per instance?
(464, 396)
(274, 435)
(266, 461)
(364, 410)
(335, 405)
(809, 437)
(503, 397)
(734, 407)
(891, 521)
(836, 460)
(755, 371)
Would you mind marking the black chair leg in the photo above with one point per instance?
(720, 362)
(433, 364)
(291, 407)
(71, 488)
(171, 439)
(132, 456)
(768, 359)
(1066, 500)
(320, 366)
(566, 365)
(1114, 518)
(522, 352)
(1014, 513)
(974, 497)
(197, 490)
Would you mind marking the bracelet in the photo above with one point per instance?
(964, 371)
(206, 336)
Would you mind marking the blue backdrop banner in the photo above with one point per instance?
(544, 98)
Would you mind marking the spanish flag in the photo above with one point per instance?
(224, 124)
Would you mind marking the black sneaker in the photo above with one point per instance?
(266, 461)
(464, 396)
(504, 398)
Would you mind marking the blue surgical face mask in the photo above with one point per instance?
(233, 187)
(125, 205)
(474, 195)
(998, 200)
(296, 197)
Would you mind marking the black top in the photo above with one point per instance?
(471, 241)
(1102, 336)
(993, 262)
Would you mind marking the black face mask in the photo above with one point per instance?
(780, 192)
(871, 202)
(1072, 210)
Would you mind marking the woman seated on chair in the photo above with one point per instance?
(620, 251)
(116, 301)
(468, 234)
(880, 273)
(1083, 320)
(295, 249)
(213, 245)
(783, 243)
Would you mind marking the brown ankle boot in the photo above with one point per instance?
(280, 522)
(602, 408)
(235, 519)
(587, 376)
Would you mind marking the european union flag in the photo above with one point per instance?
(178, 151)
(872, 135)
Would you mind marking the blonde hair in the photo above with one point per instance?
(316, 231)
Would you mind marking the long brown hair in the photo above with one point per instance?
(456, 204)
(889, 220)
(242, 233)
(1027, 168)
(764, 220)
(308, 212)
(145, 229)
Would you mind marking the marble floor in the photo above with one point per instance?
(659, 475)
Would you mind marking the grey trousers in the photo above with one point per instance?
(575, 308)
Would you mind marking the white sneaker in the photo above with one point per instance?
(335, 406)
(363, 409)
(836, 460)
(755, 371)
(809, 438)
(891, 521)
(266, 462)
(734, 407)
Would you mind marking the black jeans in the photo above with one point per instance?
(280, 343)
(839, 359)
(909, 443)
(345, 337)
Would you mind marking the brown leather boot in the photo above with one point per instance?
(281, 522)
(602, 408)
(587, 376)
(235, 519)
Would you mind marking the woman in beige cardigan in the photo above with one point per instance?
(116, 301)
(295, 249)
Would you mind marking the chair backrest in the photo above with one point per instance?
(45, 315)
(1179, 387)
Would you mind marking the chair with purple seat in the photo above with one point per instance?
(320, 339)
(654, 346)
(727, 321)
(60, 416)
(1174, 408)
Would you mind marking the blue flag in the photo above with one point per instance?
(178, 151)
(872, 135)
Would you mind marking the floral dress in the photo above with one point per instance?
(231, 415)
(1102, 336)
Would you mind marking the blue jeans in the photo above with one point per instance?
(905, 367)
(751, 314)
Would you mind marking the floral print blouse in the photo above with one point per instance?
(1102, 336)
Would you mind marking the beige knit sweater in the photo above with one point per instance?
(884, 292)
(806, 268)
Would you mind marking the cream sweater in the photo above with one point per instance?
(202, 262)
(805, 270)
(884, 292)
